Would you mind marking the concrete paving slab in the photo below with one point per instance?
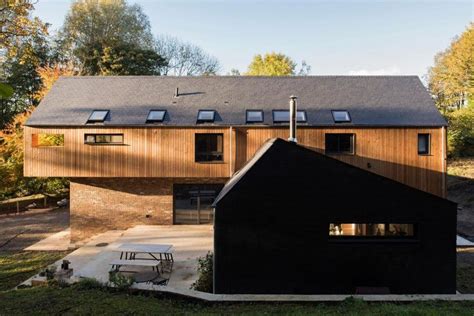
(56, 242)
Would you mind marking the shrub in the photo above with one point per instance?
(119, 281)
(461, 132)
(89, 284)
(204, 283)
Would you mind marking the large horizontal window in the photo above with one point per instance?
(47, 140)
(209, 147)
(371, 230)
(339, 143)
(102, 139)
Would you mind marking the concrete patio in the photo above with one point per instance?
(189, 242)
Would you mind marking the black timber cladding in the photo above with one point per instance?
(271, 229)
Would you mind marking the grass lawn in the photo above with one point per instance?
(16, 267)
(77, 300)
(82, 299)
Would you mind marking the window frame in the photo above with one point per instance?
(254, 122)
(428, 144)
(35, 140)
(103, 143)
(288, 111)
(196, 160)
(353, 144)
(150, 121)
(206, 120)
(339, 121)
(90, 120)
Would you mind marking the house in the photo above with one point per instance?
(295, 221)
(157, 150)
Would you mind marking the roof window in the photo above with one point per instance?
(283, 116)
(98, 116)
(341, 116)
(156, 116)
(206, 116)
(254, 116)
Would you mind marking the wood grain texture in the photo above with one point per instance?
(169, 152)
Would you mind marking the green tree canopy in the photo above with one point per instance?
(451, 79)
(95, 31)
(271, 64)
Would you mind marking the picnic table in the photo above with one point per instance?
(160, 257)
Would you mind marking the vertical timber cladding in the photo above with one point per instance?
(169, 152)
(390, 152)
(146, 152)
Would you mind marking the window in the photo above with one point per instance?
(206, 116)
(283, 116)
(423, 144)
(156, 116)
(340, 143)
(47, 140)
(103, 138)
(209, 147)
(341, 116)
(382, 230)
(254, 116)
(98, 116)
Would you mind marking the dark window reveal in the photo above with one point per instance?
(103, 139)
(340, 143)
(209, 147)
(423, 144)
(378, 230)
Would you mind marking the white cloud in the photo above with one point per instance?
(393, 70)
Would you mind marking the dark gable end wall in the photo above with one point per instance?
(271, 230)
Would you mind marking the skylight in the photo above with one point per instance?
(98, 116)
(341, 116)
(254, 116)
(283, 116)
(156, 116)
(206, 115)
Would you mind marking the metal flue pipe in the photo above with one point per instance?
(293, 121)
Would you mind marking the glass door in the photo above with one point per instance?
(193, 202)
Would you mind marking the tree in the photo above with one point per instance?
(49, 74)
(271, 64)
(94, 28)
(185, 59)
(461, 132)
(123, 59)
(21, 59)
(305, 69)
(451, 79)
(15, 22)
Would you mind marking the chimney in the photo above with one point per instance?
(176, 93)
(292, 137)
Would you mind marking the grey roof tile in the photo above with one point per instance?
(371, 100)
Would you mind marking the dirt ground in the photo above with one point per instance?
(30, 228)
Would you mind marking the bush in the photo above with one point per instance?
(461, 132)
(119, 281)
(204, 283)
(89, 284)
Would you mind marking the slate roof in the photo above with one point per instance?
(371, 100)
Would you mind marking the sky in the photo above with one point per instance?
(337, 37)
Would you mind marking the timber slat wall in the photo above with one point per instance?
(169, 152)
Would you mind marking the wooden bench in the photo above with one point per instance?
(136, 263)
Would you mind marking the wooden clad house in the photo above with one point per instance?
(157, 150)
